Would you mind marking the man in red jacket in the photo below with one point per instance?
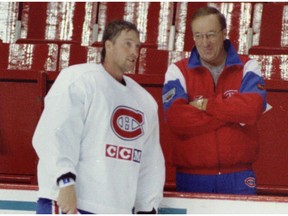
(212, 102)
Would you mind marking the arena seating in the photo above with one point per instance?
(270, 41)
(35, 57)
(58, 22)
(19, 114)
(153, 61)
(57, 35)
(273, 66)
(183, 35)
(269, 48)
(271, 51)
(238, 16)
(9, 21)
(153, 19)
(71, 54)
(22, 89)
(270, 25)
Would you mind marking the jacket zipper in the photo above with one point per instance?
(216, 136)
(218, 154)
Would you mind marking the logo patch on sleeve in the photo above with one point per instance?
(169, 95)
(250, 182)
(229, 93)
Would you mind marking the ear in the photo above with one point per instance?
(108, 45)
(224, 33)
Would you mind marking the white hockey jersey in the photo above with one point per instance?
(107, 134)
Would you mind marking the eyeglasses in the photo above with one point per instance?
(211, 36)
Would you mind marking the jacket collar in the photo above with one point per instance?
(232, 56)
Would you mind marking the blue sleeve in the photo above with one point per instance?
(253, 83)
(171, 91)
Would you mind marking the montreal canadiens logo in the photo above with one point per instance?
(250, 182)
(127, 123)
(229, 93)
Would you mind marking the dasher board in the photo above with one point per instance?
(22, 200)
(197, 203)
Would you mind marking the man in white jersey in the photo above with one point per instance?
(98, 136)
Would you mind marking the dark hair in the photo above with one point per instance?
(113, 30)
(205, 11)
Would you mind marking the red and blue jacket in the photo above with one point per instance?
(223, 138)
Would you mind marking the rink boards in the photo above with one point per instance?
(16, 200)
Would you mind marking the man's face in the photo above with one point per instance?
(124, 51)
(209, 37)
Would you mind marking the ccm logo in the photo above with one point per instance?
(123, 153)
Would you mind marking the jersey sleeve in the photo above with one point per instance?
(57, 137)
(180, 116)
(152, 172)
(245, 107)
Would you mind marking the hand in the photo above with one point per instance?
(199, 103)
(194, 103)
(67, 200)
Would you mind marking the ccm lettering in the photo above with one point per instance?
(123, 153)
